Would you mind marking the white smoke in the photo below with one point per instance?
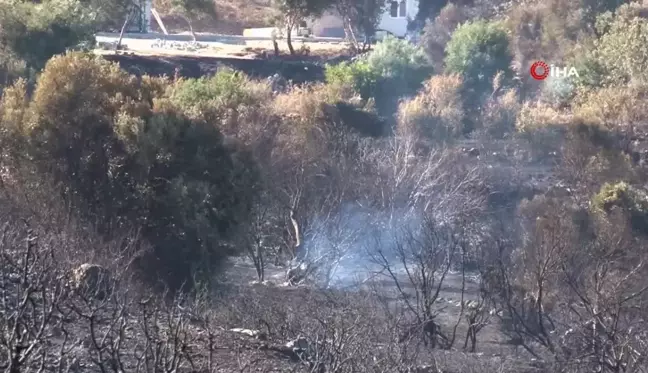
(341, 245)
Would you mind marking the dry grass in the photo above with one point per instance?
(436, 113)
(306, 102)
(500, 113)
(535, 116)
(305, 108)
(614, 106)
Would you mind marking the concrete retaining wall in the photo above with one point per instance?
(266, 32)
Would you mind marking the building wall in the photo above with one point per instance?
(330, 24)
(140, 21)
(398, 25)
(147, 17)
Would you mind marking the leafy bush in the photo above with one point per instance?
(592, 73)
(393, 69)
(477, 51)
(620, 194)
(436, 113)
(558, 92)
(127, 156)
(218, 97)
(629, 199)
(358, 75)
(404, 65)
(37, 31)
(622, 50)
(226, 89)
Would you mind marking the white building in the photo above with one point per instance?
(397, 15)
(394, 20)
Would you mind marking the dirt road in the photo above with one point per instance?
(211, 45)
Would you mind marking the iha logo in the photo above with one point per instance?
(540, 70)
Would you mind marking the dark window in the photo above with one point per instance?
(402, 9)
(393, 11)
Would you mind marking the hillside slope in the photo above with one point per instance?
(233, 17)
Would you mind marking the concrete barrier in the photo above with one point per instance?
(261, 32)
(266, 32)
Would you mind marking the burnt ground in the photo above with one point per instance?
(196, 67)
(493, 346)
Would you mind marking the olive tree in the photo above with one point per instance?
(192, 10)
(292, 12)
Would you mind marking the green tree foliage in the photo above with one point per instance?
(109, 15)
(361, 17)
(292, 12)
(358, 75)
(400, 61)
(226, 90)
(35, 31)
(628, 199)
(125, 155)
(478, 51)
(622, 50)
(394, 68)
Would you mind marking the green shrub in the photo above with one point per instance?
(478, 51)
(405, 66)
(591, 72)
(127, 156)
(358, 75)
(622, 50)
(393, 69)
(228, 100)
(37, 31)
(631, 200)
(558, 92)
(226, 89)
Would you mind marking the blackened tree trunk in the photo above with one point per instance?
(289, 29)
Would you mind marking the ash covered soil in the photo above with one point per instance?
(363, 282)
